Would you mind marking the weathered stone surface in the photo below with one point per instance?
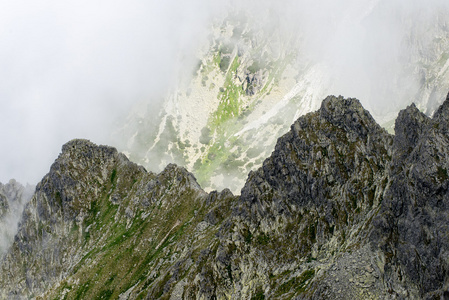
(412, 227)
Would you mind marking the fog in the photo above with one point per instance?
(375, 50)
(72, 69)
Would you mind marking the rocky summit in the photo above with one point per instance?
(340, 210)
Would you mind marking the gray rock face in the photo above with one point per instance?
(340, 210)
(312, 200)
(324, 149)
(412, 227)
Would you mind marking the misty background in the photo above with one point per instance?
(74, 69)
(70, 69)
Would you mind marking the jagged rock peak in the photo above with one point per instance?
(80, 172)
(443, 110)
(182, 176)
(347, 114)
(76, 143)
(322, 147)
(80, 157)
(410, 114)
(441, 117)
(333, 105)
(409, 127)
(87, 149)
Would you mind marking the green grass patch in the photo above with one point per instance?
(258, 295)
(224, 63)
(105, 294)
(444, 57)
(263, 239)
(113, 175)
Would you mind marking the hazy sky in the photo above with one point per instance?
(69, 69)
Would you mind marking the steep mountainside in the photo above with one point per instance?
(340, 210)
(254, 77)
(215, 119)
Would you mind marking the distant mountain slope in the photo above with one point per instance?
(340, 210)
(209, 123)
(256, 76)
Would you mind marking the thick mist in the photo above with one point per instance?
(71, 69)
(375, 50)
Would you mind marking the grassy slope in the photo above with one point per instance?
(132, 250)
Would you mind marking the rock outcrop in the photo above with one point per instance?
(340, 210)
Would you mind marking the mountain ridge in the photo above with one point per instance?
(340, 209)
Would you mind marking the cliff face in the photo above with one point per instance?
(412, 226)
(315, 196)
(341, 209)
